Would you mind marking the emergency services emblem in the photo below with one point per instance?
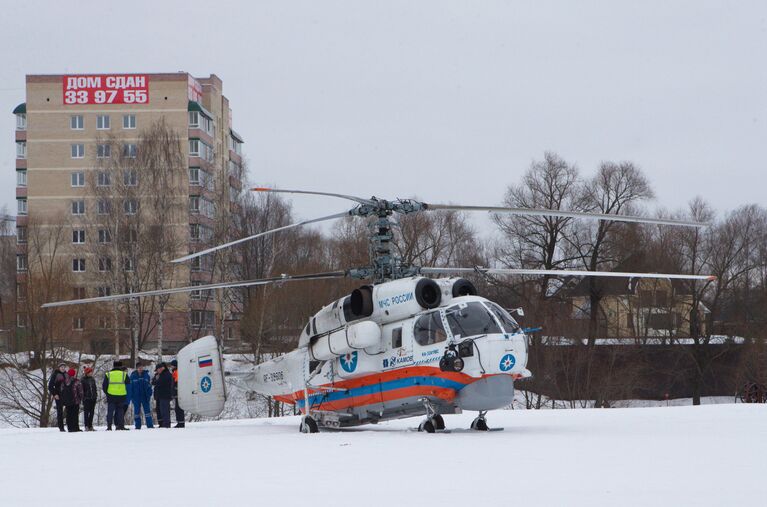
(206, 384)
(349, 362)
(507, 362)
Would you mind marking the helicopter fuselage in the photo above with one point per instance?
(463, 354)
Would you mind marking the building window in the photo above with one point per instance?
(194, 232)
(130, 177)
(128, 265)
(194, 147)
(21, 178)
(202, 318)
(194, 119)
(129, 121)
(21, 234)
(104, 179)
(21, 320)
(196, 264)
(194, 175)
(21, 149)
(78, 323)
(21, 292)
(104, 291)
(194, 203)
(104, 207)
(129, 150)
(21, 121)
(21, 206)
(78, 236)
(208, 126)
(105, 264)
(130, 235)
(102, 122)
(78, 265)
(21, 262)
(105, 236)
(78, 151)
(76, 122)
(104, 322)
(78, 179)
(78, 292)
(103, 150)
(78, 207)
(201, 294)
(130, 206)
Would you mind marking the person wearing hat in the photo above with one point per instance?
(141, 396)
(179, 411)
(163, 392)
(115, 386)
(90, 397)
(71, 396)
(54, 388)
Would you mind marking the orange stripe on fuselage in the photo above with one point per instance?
(394, 394)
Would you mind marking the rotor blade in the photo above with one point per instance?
(564, 272)
(360, 200)
(260, 234)
(565, 214)
(177, 290)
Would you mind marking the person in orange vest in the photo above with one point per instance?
(179, 411)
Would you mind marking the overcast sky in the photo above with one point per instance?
(449, 101)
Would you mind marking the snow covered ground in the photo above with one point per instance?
(706, 455)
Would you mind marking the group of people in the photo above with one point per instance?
(121, 390)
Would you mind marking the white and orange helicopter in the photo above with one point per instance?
(403, 345)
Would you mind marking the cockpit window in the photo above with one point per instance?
(507, 321)
(428, 329)
(470, 319)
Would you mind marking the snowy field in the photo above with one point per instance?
(707, 455)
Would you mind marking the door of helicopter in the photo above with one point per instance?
(429, 337)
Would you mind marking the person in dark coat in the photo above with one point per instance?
(115, 385)
(54, 388)
(141, 396)
(179, 411)
(163, 393)
(71, 396)
(90, 397)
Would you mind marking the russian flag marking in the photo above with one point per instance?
(204, 361)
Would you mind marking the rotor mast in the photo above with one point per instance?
(385, 265)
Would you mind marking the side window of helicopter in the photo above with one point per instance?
(428, 329)
(470, 319)
(396, 338)
(507, 321)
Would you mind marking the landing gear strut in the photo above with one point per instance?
(433, 421)
(480, 423)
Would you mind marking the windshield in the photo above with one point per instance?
(470, 319)
(507, 321)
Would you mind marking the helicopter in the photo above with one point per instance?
(412, 341)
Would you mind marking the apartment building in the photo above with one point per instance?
(71, 133)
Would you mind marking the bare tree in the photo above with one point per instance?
(24, 398)
(616, 189)
(141, 224)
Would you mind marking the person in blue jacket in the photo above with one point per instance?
(141, 395)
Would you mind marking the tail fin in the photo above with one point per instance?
(201, 387)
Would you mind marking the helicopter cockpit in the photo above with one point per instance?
(465, 319)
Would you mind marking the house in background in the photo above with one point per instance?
(633, 307)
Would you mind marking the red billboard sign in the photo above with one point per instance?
(106, 89)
